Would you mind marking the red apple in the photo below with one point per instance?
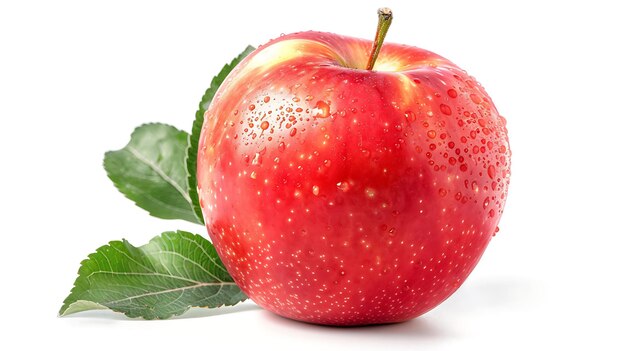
(340, 195)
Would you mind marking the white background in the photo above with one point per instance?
(77, 77)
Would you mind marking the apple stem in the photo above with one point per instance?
(384, 22)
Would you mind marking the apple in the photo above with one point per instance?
(347, 182)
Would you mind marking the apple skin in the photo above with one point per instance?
(340, 196)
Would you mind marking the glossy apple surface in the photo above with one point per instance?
(342, 196)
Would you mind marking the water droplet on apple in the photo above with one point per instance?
(266, 99)
(293, 132)
(463, 167)
(431, 134)
(492, 213)
(452, 93)
(251, 107)
(491, 171)
(315, 190)
(443, 192)
(410, 116)
(257, 160)
(343, 186)
(265, 125)
(475, 98)
(445, 109)
(281, 146)
(253, 175)
(321, 110)
(486, 202)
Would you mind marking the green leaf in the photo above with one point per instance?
(150, 170)
(192, 150)
(164, 278)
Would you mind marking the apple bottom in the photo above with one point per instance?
(387, 279)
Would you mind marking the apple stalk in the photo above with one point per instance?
(384, 22)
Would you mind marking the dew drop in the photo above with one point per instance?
(257, 160)
(452, 93)
(475, 98)
(265, 125)
(343, 186)
(410, 116)
(321, 110)
(486, 202)
(491, 171)
(443, 192)
(251, 107)
(445, 109)
(281, 146)
(293, 132)
(266, 99)
(315, 190)
(431, 134)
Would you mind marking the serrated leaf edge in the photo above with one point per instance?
(118, 186)
(196, 128)
(67, 308)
